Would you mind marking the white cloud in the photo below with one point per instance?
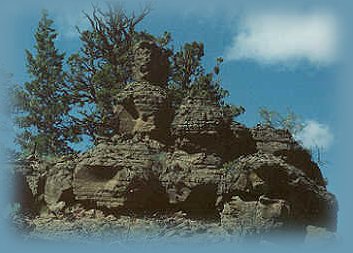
(286, 38)
(315, 135)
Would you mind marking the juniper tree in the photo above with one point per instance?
(102, 67)
(42, 104)
(186, 69)
(190, 77)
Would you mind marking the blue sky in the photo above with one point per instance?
(280, 57)
(279, 54)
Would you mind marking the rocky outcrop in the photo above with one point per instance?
(191, 160)
(121, 173)
(191, 182)
(44, 185)
(58, 189)
(150, 63)
(281, 143)
(198, 124)
(270, 140)
(290, 198)
(143, 109)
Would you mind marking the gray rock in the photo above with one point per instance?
(179, 173)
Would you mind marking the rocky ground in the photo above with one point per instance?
(93, 226)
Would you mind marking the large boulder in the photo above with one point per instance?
(143, 109)
(199, 126)
(120, 174)
(58, 191)
(267, 177)
(281, 143)
(191, 181)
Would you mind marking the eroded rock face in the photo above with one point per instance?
(260, 191)
(191, 181)
(197, 124)
(193, 161)
(265, 176)
(197, 116)
(270, 140)
(281, 143)
(257, 216)
(58, 191)
(240, 142)
(199, 127)
(120, 174)
(144, 109)
(151, 63)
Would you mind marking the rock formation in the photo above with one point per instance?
(254, 180)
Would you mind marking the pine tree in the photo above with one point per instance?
(42, 104)
(190, 77)
(103, 66)
(56, 108)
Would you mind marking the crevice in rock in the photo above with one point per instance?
(97, 173)
(68, 197)
(145, 196)
(201, 203)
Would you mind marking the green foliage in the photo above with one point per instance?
(57, 107)
(187, 67)
(289, 121)
(42, 105)
(103, 66)
(189, 77)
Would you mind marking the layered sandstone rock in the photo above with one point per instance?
(143, 109)
(281, 143)
(58, 188)
(122, 173)
(191, 181)
(263, 176)
(197, 125)
(192, 160)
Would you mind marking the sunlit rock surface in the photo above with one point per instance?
(187, 164)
